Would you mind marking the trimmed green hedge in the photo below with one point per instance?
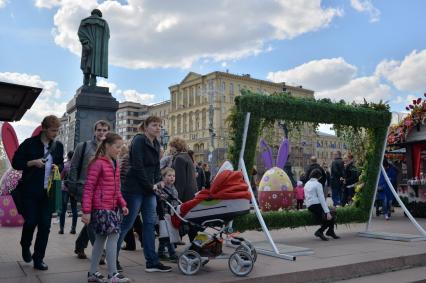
(374, 117)
(295, 218)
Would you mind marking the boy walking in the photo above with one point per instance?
(169, 193)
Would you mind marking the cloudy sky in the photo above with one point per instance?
(341, 49)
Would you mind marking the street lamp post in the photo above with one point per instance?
(164, 138)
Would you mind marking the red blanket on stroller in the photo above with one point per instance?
(227, 185)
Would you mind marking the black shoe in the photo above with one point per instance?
(119, 268)
(158, 268)
(332, 234)
(80, 254)
(26, 254)
(127, 248)
(72, 231)
(320, 235)
(61, 231)
(102, 260)
(40, 265)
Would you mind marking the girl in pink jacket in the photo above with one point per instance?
(101, 202)
(300, 194)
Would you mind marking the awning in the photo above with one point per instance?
(15, 100)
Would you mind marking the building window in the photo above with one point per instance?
(223, 86)
(231, 88)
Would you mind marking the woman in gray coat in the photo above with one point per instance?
(185, 182)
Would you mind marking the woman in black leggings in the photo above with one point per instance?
(315, 201)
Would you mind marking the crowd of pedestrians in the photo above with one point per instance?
(118, 186)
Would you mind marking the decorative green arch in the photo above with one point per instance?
(375, 118)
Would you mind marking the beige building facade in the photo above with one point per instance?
(326, 145)
(200, 105)
(161, 110)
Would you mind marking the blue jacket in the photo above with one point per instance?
(386, 192)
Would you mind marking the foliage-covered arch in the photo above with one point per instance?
(375, 118)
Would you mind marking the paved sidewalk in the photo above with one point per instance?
(336, 259)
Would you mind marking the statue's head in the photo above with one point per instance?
(97, 12)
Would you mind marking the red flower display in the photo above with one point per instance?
(398, 133)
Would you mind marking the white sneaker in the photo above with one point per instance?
(96, 277)
(386, 217)
(118, 278)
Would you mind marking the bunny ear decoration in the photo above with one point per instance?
(283, 153)
(9, 139)
(36, 131)
(266, 154)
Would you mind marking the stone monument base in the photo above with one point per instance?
(90, 104)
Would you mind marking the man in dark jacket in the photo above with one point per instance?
(35, 157)
(314, 165)
(201, 177)
(351, 178)
(337, 177)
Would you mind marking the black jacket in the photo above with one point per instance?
(185, 182)
(351, 174)
(311, 168)
(201, 178)
(144, 166)
(337, 170)
(33, 177)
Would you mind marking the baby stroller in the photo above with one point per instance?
(213, 210)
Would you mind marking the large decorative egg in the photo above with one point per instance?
(275, 190)
(8, 213)
(9, 180)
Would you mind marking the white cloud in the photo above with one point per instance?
(366, 6)
(134, 96)
(407, 75)
(3, 3)
(127, 95)
(357, 89)
(149, 33)
(47, 3)
(49, 102)
(318, 75)
(112, 86)
(335, 79)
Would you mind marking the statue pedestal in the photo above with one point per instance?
(89, 105)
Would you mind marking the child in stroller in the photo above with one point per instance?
(214, 210)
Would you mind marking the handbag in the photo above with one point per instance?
(167, 230)
(106, 222)
(75, 188)
(18, 192)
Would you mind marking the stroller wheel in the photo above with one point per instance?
(240, 263)
(248, 248)
(189, 262)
